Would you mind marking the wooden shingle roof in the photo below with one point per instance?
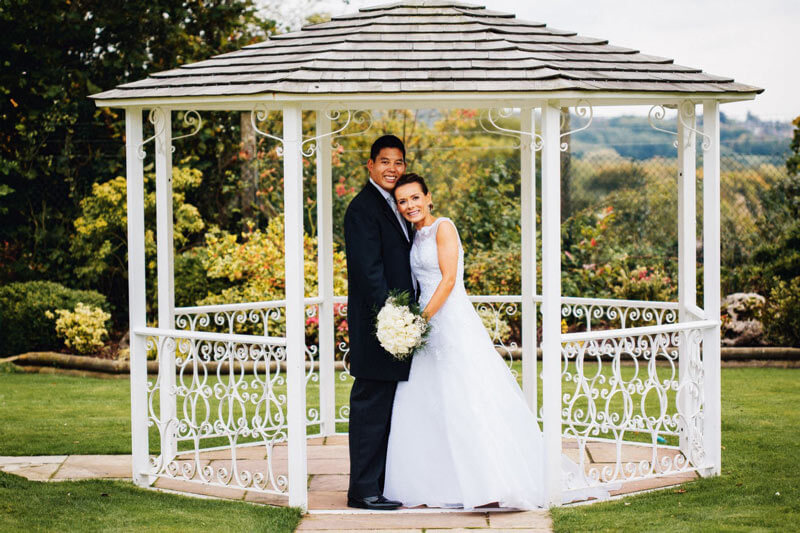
(432, 47)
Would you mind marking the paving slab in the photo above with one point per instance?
(329, 482)
(575, 454)
(34, 471)
(463, 530)
(656, 483)
(336, 439)
(250, 452)
(325, 500)
(376, 530)
(329, 466)
(198, 488)
(266, 498)
(389, 520)
(31, 459)
(523, 519)
(606, 452)
(95, 467)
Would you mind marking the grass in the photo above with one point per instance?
(117, 506)
(46, 414)
(759, 489)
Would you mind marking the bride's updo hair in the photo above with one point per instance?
(405, 179)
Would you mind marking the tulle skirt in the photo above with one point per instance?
(462, 434)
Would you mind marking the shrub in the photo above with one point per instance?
(644, 283)
(497, 328)
(783, 313)
(23, 324)
(84, 329)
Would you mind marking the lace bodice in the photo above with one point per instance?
(425, 261)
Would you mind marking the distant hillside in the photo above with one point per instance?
(632, 136)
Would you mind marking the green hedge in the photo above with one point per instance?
(23, 324)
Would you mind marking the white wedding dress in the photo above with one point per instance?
(462, 434)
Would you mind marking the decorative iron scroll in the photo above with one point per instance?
(260, 113)
(657, 112)
(155, 117)
(584, 110)
(239, 402)
(536, 142)
(687, 111)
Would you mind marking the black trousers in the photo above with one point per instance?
(370, 418)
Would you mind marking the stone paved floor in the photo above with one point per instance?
(328, 467)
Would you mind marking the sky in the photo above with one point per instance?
(754, 42)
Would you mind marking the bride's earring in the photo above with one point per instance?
(430, 208)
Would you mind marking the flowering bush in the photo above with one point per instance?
(24, 325)
(644, 283)
(783, 313)
(253, 264)
(340, 330)
(83, 329)
(497, 328)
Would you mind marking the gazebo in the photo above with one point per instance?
(222, 392)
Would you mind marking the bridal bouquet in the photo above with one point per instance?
(401, 328)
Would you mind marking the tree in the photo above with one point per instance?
(99, 245)
(55, 143)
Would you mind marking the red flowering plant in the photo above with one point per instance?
(340, 332)
(588, 256)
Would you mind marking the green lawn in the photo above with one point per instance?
(117, 506)
(45, 414)
(759, 489)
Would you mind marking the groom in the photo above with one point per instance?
(377, 244)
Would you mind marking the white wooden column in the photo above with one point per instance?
(712, 421)
(687, 243)
(327, 344)
(551, 301)
(166, 293)
(295, 307)
(528, 226)
(137, 310)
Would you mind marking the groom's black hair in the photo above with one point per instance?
(387, 141)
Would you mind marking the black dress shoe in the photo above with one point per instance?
(375, 503)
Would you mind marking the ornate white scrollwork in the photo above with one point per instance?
(657, 112)
(360, 116)
(333, 115)
(583, 109)
(685, 114)
(226, 391)
(191, 119)
(624, 394)
(157, 119)
(536, 142)
(260, 114)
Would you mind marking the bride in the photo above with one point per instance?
(461, 433)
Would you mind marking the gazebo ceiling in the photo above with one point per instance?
(434, 47)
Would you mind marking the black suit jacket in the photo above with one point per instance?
(377, 262)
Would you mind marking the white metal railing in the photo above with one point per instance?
(193, 409)
(627, 392)
(633, 374)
